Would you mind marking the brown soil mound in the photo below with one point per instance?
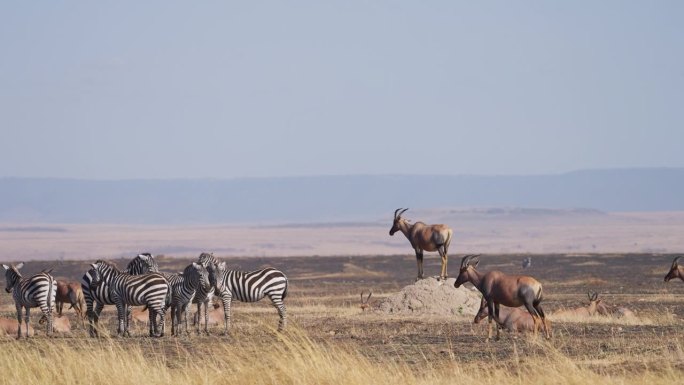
(430, 296)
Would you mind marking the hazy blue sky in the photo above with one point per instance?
(253, 88)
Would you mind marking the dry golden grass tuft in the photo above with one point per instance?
(295, 357)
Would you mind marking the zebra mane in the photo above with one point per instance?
(109, 264)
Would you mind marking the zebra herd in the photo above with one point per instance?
(142, 284)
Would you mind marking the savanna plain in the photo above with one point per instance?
(330, 340)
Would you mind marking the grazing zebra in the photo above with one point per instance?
(127, 290)
(141, 264)
(38, 290)
(184, 286)
(252, 287)
(205, 295)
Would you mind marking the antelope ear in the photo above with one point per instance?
(598, 301)
(474, 263)
(5, 266)
(19, 265)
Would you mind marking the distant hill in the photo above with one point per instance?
(328, 198)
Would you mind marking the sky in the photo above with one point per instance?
(226, 89)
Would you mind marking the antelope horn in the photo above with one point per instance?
(674, 262)
(403, 211)
(466, 260)
(361, 296)
(395, 212)
(369, 295)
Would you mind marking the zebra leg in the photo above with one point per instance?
(120, 317)
(162, 314)
(226, 298)
(174, 321)
(185, 317)
(199, 316)
(27, 318)
(152, 324)
(98, 311)
(19, 308)
(206, 317)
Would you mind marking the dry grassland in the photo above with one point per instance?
(331, 341)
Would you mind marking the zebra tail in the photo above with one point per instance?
(49, 298)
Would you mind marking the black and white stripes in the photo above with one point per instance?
(184, 287)
(100, 296)
(127, 290)
(38, 290)
(251, 287)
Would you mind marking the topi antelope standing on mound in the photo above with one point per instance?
(508, 290)
(424, 238)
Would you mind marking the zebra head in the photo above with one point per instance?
(95, 276)
(12, 275)
(143, 263)
(196, 271)
(209, 262)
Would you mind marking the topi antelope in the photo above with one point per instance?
(498, 288)
(424, 238)
(364, 304)
(512, 319)
(676, 271)
(593, 308)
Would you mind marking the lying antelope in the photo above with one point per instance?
(59, 324)
(512, 319)
(364, 304)
(424, 238)
(498, 288)
(676, 271)
(9, 327)
(592, 308)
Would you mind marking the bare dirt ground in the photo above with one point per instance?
(324, 297)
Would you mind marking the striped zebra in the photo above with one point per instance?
(205, 295)
(251, 287)
(127, 290)
(143, 263)
(38, 290)
(184, 287)
(100, 296)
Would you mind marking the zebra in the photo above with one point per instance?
(127, 290)
(205, 295)
(184, 287)
(141, 264)
(38, 290)
(252, 287)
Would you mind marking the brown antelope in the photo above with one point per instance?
(498, 288)
(59, 324)
(70, 292)
(676, 271)
(364, 304)
(424, 238)
(9, 327)
(594, 307)
(512, 319)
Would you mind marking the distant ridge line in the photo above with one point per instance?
(327, 199)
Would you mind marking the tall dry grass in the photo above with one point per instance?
(292, 358)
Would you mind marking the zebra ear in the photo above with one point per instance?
(222, 265)
(19, 265)
(197, 266)
(5, 266)
(144, 257)
(93, 266)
